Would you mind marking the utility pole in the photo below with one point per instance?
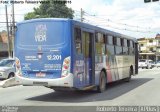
(82, 14)
(13, 18)
(13, 29)
(9, 53)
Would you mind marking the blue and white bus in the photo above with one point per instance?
(66, 54)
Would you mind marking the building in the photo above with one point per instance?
(158, 46)
(4, 37)
(149, 48)
(5, 47)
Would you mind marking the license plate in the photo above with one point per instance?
(40, 83)
(40, 74)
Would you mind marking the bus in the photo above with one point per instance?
(65, 54)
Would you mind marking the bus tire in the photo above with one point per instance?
(102, 82)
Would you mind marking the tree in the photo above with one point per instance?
(51, 9)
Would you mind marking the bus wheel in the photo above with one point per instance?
(102, 82)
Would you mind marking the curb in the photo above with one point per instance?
(8, 83)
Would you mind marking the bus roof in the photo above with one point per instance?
(85, 25)
(44, 19)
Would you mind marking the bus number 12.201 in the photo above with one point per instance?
(54, 57)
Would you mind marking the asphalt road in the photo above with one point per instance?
(143, 89)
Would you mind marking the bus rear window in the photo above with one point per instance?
(41, 33)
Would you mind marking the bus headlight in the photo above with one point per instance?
(66, 67)
(18, 67)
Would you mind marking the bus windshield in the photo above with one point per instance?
(38, 33)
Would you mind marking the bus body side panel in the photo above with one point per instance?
(98, 68)
(124, 63)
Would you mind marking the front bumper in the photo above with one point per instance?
(59, 82)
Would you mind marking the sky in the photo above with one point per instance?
(130, 17)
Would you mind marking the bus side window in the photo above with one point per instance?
(128, 45)
(131, 52)
(125, 48)
(78, 40)
(110, 46)
(100, 47)
(100, 44)
(118, 47)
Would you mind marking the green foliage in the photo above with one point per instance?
(49, 10)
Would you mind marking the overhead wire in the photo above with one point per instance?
(109, 20)
(104, 21)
